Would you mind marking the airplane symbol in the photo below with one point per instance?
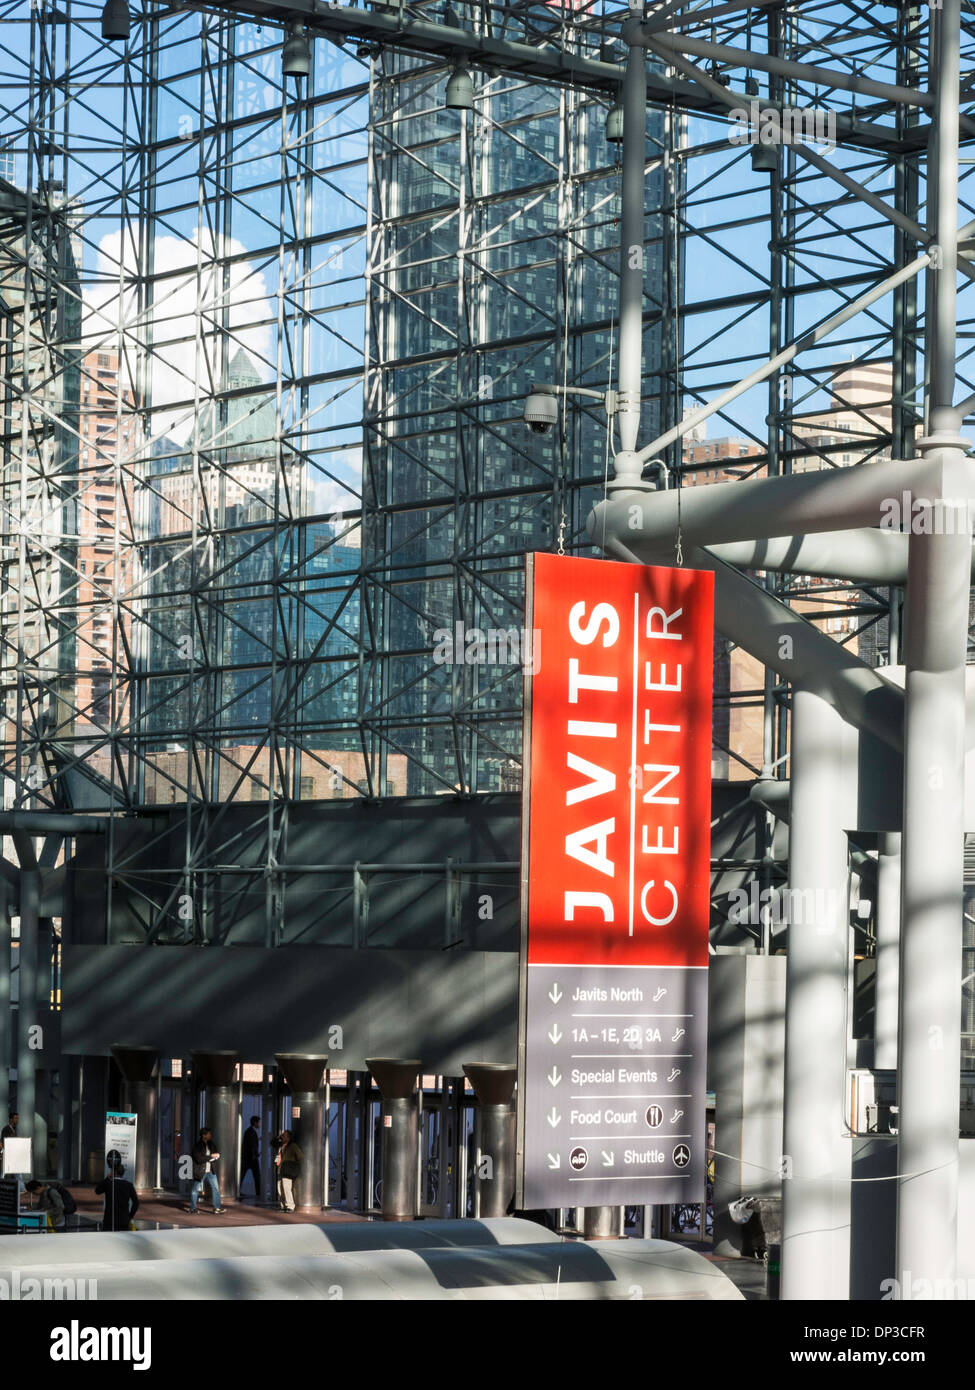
(554, 1034)
(676, 1116)
(555, 994)
(554, 1118)
(659, 995)
(674, 1073)
(554, 1161)
(609, 1160)
(554, 1077)
(678, 1034)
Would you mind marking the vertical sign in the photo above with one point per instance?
(615, 884)
(120, 1134)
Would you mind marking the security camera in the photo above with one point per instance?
(541, 412)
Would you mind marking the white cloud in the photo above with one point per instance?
(192, 281)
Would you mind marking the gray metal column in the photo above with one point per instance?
(888, 921)
(215, 1071)
(137, 1065)
(816, 1157)
(304, 1074)
(6, 1016)
(601, 1223)
(631, 256)
(396, 1080)
(30, 892)
(934, 737)
(494, 1136)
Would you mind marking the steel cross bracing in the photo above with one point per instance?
(228, 546)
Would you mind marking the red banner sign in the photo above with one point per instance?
(619, 784)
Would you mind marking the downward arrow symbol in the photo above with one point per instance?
(554, 1077)
(555, 994)
(554, 1160)
(554, 1118)
(609, 1160)
(555, 1034)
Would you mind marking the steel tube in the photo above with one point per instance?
(494, 1136)
(601, 1223)
(137, 1065)
(817, 1155)
(888, 927)
(396, 1080)
(784, 641)
(215, 1070)
(304, 1074)
(30, 892)
(631, 247)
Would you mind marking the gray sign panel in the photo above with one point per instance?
(614, 1085)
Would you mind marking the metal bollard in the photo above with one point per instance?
(396, 1080)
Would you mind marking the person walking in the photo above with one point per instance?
(288, 1162)
(250, 1156)
(121, 1199)
(205, 1157)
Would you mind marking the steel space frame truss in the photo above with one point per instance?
(212, 206)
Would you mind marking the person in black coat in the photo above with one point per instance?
(250, 1156)
(205, 1159)
(121, 1202)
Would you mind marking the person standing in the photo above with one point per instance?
(251, 1156)
(288, 1162)
(205, 1159)
(121, 1200)
(9, 1130)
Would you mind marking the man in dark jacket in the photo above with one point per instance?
(121, 1202)
(204, 1172)
(250, 1156)
(288, 1163)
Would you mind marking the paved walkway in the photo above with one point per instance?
(170, 1210)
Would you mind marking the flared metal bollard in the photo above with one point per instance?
(494, 1136)
(396, 1080)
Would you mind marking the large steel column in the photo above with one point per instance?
(816, 1157)
(888, 922)
(215, 1071)
(6, 1016)
(935, 644)
(30, 894)
(400, 1134)
(494, 1136)
(601, 1223)
(137, 1065)
(304, 1074)
(631, 257)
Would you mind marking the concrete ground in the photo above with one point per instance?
(169, 1212)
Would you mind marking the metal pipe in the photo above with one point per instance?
(784, 641)
(798, 504)
(601, 1223)
(494, 1136)
(631, 247)
(304, 1074)
(815, 1188)
(137, 1065)
(30, 894)
(780, 359)
(888, 929)
(938, 589)
(396, 1080)
(784, 67)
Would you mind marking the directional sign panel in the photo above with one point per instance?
(615, 885)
